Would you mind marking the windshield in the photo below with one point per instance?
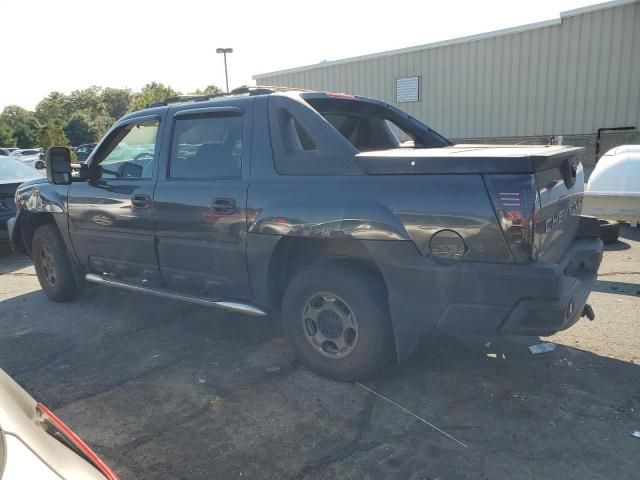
(11, 169)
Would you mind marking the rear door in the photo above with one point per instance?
(200, 201)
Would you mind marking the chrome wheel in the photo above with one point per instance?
(330, 325)
(48, 264)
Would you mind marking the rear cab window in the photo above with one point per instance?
(370, 125)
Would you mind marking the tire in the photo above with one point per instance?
(52, 265)
(40, 165)
(609, 231)
(329, 287)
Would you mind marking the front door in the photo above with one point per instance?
(200, 203)
(111, 214)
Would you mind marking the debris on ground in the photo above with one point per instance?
(202, 380)
(544, 347)
(636, 434)
(273, 369)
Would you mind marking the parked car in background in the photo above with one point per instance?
(613, 190)
(30, 156)
(83, 151)
(12, 173)
(36, 445)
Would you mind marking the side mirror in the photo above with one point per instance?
(58, 161)
(84, 172)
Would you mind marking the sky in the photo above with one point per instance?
(65, 45)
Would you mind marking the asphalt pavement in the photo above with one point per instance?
(167, 390)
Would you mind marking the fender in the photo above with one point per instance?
(39, 196)
(34, 198)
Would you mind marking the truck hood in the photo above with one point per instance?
(463, 158)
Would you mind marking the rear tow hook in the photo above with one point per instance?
(588, 312)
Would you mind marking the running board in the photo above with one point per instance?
(224, 305)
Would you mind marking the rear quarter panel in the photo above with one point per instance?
(369, 207)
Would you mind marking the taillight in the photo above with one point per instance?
(57, 429)
(516, 202)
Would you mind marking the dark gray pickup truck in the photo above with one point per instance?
(363, 226)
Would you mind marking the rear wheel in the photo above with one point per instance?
(609, 231)
(52, 264)
(336, 318)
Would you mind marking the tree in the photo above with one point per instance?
(54, 108)
(209, 90)
(87, 101)
(151, 93)
(80, 129)
(24, 124)
(27, 133)
(117, 102)
(13, 115)
(7, 138)
(52, 135)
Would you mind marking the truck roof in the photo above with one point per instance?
(243, 92)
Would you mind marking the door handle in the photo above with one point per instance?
(140, 200)
(224, 206)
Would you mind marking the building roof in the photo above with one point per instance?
(453, 41)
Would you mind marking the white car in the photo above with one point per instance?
(613, 190)
(37, 445)
(30, 156)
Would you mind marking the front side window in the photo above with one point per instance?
(207, 147)
(130, 153)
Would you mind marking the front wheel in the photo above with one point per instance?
(337, 320)
(52, 264)
(40, 165)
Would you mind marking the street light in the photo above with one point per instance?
(224, 51)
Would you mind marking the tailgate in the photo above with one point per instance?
(560, 182)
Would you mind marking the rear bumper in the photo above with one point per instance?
(563, 303)
(538, 298)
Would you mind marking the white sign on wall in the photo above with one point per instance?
(407, 89)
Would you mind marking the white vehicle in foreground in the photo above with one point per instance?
(37, 445)
(613, 190)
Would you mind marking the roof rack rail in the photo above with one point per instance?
(264, 89)
(244, 89)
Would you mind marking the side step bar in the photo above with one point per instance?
(224, 305)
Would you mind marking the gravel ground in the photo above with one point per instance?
(165, 390)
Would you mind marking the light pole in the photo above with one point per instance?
(224, 51)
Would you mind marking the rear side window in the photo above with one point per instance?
(373, 126)
(207, 147)
(402, 137)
